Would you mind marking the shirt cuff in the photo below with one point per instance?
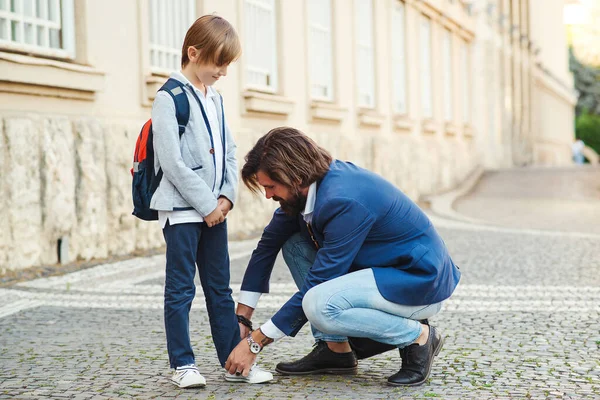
(249, 299)
(271, 331)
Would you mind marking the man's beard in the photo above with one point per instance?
(294, 205)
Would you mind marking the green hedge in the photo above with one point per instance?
(587, 128)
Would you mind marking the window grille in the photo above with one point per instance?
(260, 45)
(320, 49)
(169, 22)
(44, 27)
(365, 57)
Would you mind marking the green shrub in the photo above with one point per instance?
(587, 128)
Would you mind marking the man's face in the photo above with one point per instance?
(291, 200)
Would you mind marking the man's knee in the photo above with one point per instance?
(314, 305)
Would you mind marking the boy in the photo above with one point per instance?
(195, 194)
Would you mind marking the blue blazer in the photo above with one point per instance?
(360, 221)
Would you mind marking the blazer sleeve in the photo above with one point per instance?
(279, 230)
(345, 224)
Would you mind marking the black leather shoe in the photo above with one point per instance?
(321, 360)
(417, 361)
(365, 348)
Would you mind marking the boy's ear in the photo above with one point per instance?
(193, 54)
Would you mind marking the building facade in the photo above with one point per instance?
(423, 92)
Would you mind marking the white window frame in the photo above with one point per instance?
(447, 75)
(365, 53)
(425, 36)
(260, 46)
(169, 21)
(466, 81)
(399, 57)
(30, 31)
(320, 45)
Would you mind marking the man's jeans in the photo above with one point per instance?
(351, 305)
(187, 245)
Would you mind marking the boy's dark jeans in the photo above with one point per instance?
(189, 245)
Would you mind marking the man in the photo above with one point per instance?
(373, 266)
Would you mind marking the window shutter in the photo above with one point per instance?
(399, 57)
(260, 45)
(447, 75)
(320, 49)
(426, 87)
(365, 57)
(169, 22)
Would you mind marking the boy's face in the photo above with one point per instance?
(207, 73)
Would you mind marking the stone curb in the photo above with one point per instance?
(442, 204)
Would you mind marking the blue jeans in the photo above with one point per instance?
(189, 245)
(351, 305)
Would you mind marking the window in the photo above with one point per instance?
(426, 86)
(320, 49)
(169, 22)
(399, 57)
(466, 82)
(447, 74)
(260, 45)
(44, 27)
(365, 57)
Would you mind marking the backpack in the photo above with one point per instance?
(145, 182)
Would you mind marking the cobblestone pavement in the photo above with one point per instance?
(524, 323)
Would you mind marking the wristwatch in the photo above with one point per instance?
(254, 346)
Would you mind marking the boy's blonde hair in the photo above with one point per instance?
(216, 39)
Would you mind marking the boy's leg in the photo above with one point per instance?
(182, 242)
(213, 266)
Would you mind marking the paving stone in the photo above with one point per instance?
(517, 327)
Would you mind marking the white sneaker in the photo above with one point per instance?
(188, 376)
(256, 375)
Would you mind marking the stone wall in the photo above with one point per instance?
(66, 184)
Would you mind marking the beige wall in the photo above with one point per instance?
(69, 128)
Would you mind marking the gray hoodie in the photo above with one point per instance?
(188, 165)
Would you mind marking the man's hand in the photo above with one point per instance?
(215, 217)
(247, 312)
(240, 359)
(225, 205)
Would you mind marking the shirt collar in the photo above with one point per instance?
(210, 92)
(311, 198)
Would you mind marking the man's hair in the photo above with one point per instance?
(286, 156)
(216, 39)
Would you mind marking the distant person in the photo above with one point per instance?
(577, 149)
(195, 194)
(367, 261)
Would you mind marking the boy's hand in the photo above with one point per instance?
(225, 205)
(215, 217)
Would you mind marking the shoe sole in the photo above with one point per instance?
(329, 371)
(437, 351)
(195, 385)
(243, 380)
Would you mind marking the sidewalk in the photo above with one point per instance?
(524, 322)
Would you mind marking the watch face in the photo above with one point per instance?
(255, 348)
